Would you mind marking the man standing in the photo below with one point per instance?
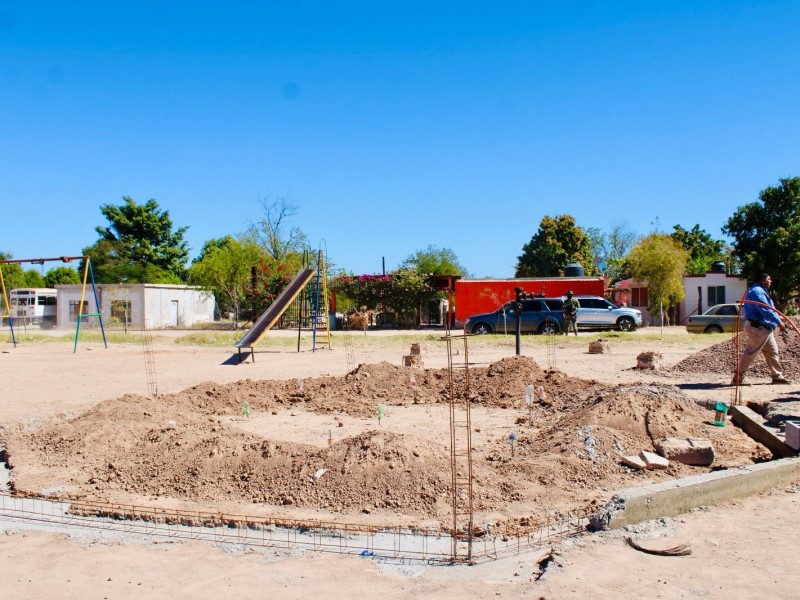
(761, 320)
(571, 306)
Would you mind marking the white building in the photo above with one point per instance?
(154, 305)
(700, 293)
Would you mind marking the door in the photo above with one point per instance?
(173, 313)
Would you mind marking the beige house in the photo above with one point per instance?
(150, 305)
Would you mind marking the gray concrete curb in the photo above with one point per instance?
(671, 498)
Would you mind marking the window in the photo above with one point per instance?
(716, 295)
(639, 296)
(121, 310)
(73, 309)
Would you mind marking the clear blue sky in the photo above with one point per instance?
(393, 126)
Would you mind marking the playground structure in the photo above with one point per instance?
(317, 299)
(88, 277)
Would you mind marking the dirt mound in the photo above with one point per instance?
(183, 446)
(720, 358)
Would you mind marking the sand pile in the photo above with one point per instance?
(720, 359)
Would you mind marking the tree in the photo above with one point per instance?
(610, 248)
(139, 246)
(659, 261)
(271, 231)
(223, 268)
(702, 249)
(61, 275)
(558, 242)
(765, 235)
(32, 279)
(434, 261)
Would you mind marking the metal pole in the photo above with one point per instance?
(518, 315)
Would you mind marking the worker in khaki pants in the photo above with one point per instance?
(760, 324)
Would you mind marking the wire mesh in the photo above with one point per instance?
(387, 543)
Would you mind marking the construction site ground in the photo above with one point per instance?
(83, 426)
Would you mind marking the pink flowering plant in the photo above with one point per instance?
(400, 293)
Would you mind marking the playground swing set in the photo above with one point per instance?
(88, 278)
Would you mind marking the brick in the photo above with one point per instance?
(793, 434)
(653, 461)
(689, 451)
(634, 462)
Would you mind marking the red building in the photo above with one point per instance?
(473, 296)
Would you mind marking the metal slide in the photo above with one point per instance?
(274, 311)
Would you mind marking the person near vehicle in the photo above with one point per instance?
(760, 324)
(571, 306)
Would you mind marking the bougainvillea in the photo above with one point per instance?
(398, 294)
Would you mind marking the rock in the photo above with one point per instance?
(689, 451)
(648, 360)
(653, 461)
(633, 461)
(598, 347)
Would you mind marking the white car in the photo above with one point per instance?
(596, 312)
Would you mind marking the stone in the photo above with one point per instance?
(689, 451)
(633, 461)
(648, 360)
(598, 347)
(653, 461)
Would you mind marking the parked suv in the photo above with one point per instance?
(539, 315)
(597, 312)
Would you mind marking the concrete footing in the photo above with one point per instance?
(671, 498)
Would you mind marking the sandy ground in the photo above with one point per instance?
(739, 550)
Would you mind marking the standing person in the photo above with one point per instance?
(571, 306)
(760, 324)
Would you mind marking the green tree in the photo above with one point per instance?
(558, 242)
(702, 249)
(61, 275)
(660, 262)
(765, 235)
(224, 268)
(33, 279)
(434, 261)
(138, 246)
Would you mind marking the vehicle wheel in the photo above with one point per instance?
(481, 328)
(713, 329)
(548, 329)
(625, 324)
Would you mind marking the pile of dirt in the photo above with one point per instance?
(720, 358)
(182, 446)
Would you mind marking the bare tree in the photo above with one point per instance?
(273, 232)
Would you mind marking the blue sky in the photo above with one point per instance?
(393, 126)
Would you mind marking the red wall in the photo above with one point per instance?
(475, 296)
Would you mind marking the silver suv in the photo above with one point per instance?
(597, 312)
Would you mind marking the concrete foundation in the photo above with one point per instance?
(671, 498)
